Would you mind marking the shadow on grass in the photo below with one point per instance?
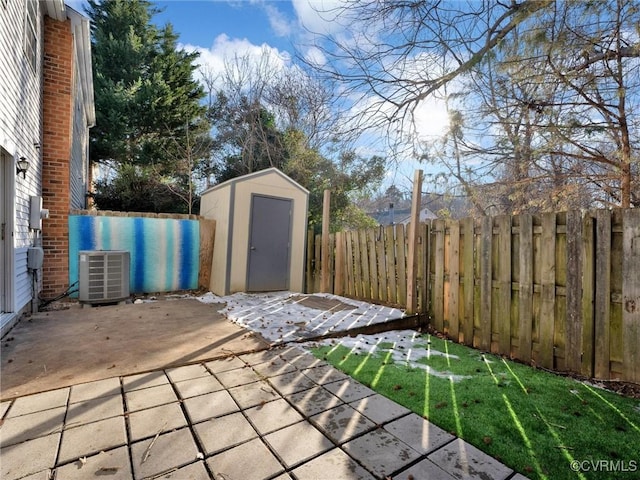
(536, 423)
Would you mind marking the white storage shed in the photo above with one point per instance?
(260, 237)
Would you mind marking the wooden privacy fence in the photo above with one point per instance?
(560, 290)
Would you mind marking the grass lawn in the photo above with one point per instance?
(534, 422)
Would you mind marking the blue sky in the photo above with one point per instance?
(220, 29)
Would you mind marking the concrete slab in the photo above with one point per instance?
(33, 425)
(198, 386)
(380, 452)
(273, 416)
(519, 476)
(314, 400)
(324, 374)
(195, 471)
(150, 397)
(142, 338)
(301, 359)
(379, 409)
(420, 434)
(38, 402)
(171, 450)
(260, 357)
(334, 464)
(235, 378)
(223, 433)
(253, 394)
(114, 465)
(349, 390)
(297, 443)
(28, 457)
(187, 372)
(164, 418)
(209, 406)
(342, 423)
(464, 461)
(92, 438)
(144, 380)
(97, 389)
(423, 469)
(232, 464)
(290, 383)
(224, 364)
(93, 410)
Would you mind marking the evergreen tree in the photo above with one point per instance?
(144, 88)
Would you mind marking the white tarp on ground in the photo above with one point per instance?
(281, 317)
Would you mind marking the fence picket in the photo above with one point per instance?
(468, 280)
(631, 296)
(525, 292)
(504, 284)
(454, 280)
(486, 287)
(391, 264)
(573, 323)
(401, 252)
(548, 294)
(603, 294)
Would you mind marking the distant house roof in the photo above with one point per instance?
(384, 217)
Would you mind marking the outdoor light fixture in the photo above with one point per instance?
(22, 166)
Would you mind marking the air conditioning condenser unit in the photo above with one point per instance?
(103, 276)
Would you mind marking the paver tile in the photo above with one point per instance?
(234, 378)
(209, 405)
(224, 432)
(519, 476)
(171, 450)
(297, 443)
(147, 423)
(150, 397)
(224, 364)
(144, 380)
(114, 465)
(92, 438)
(32, 425)
(314, 400)
(232, 464)
(291, 383)
(187, 372)
(198, 386)
(93, 410)
(423, 469)
(379, 409)
(274, 367)
(334, 464)
(273, 416)
(303, 360)
(194, 471)
(325, 374)
(39, 402)
(342, 423)
(253, 394)
(4, 406)
(91, 390)
(28, 457)
(420, 434)
(380, 452)
(464, 461)
(43, 475)
(260, 357)
(349, 390)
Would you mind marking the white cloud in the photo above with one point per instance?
(315, 56)
(225, 49)
(319, 16)
(279, 23)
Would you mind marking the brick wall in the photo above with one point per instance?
(58, 90)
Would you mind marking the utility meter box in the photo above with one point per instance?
(35, 258)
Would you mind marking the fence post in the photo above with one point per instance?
(326, 270)
(413, 243)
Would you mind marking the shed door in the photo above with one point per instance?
(269, 238)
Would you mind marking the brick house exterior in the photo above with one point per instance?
(46, 110)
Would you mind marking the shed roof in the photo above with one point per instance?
(253, 175)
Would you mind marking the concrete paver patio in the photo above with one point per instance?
(278, 414)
